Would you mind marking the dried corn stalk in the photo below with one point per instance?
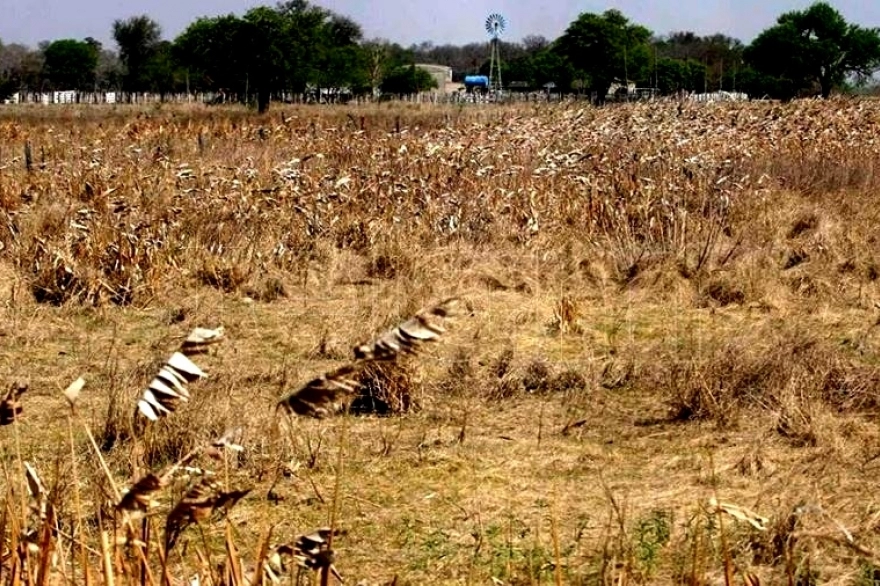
(168, 388)
(740, 514)
(313, 551)
(139, 498)
(200, 339)
(330, 392)
(407, 338)
(326, 394)
(10, 406)
(200, 503)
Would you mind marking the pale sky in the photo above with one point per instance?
(413, 21)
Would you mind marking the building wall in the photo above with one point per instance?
(441, 74)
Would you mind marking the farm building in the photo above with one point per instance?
(442, 74)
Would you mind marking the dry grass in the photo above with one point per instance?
(666, 307)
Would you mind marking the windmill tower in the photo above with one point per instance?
(495, 25)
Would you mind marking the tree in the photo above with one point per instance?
(214, 53)
(533, 44)
(308, 28)
(108, 73)
(548, 66)
(70, 64)
(604, 48)
(269, 50)
(341, 61)
(465, 59)
(268, 35)
(21, 66)
(138, 40)
(381, 57)
(675, 75)
(7, 84)
(163, 72)
(408, 80)
(719, 57)
(376, 54)
(813, 48)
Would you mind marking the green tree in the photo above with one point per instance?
(380, 57)
(214, 53)
(408, 80)
(70, 64)
(813, 48)
(675, 75)
(604, 48)
(163, 72)
(548, 66)
(138, 40)
(7, 85)
(305, 43)
(269, 50)
(342, 63)
(719, 56)
(108, 74)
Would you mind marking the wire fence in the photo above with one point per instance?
(77, 97)
(457, 97)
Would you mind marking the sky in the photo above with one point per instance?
(414, 21)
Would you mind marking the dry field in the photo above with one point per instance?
(666, 308)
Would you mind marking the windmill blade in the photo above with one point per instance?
(150, 408)
(158, 386)
(495, 25)
(71, 393)
(169, 377)
(324, 395)
(231, 440)
(34, 484)
(37, 490)
(427, 325)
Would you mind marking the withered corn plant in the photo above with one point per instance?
(132, 547)
(717, 205)
(122, 209)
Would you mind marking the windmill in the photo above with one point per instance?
(495, 25)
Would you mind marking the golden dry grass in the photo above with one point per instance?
(669, 305)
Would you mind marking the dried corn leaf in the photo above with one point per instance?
(199, 503)
(407, 337)
(740, 514)
(10, 406)
(168, 388)
(200, 339)
(331, 392)
(324, 395)
(139, 498)
(71, 393)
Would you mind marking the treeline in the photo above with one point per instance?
(296, 47)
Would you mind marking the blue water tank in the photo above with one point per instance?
(476, 81)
